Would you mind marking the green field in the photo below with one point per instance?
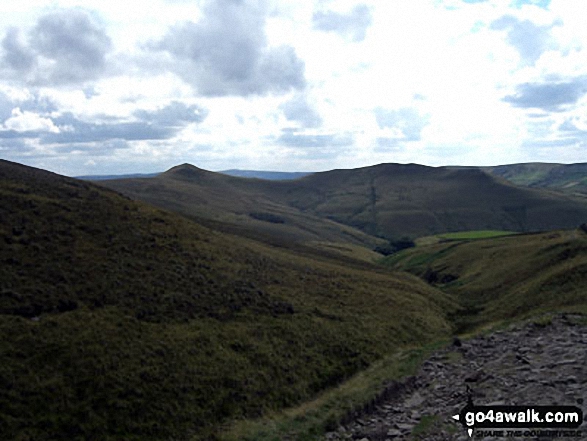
(473, 235)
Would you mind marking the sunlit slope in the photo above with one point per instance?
(568, 178)
(120, 321)
(506, 277)
(388, 200)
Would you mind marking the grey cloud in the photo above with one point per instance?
(388, 144)
(94, 149)
(291, 138)
(352, 25)
(6, 107)
(559, 142)
(77, 45)
(226, 52)
(279, 70)
(569, 126)
(36, 103)
(529, 39)
(65, 47)
(568, 135)
(15, 149)
(16, 55)
(408, 120)
(553, 97)
(297, 109)
(14, 134)
(175, 114)
(74, 130)
(163, 123)
(90, 92)
(544, 4)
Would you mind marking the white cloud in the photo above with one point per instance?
(29, 122)
(472, 81)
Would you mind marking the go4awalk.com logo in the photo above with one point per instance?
(526, 421)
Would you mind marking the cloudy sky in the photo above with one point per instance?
(95, 87)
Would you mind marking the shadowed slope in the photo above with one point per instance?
(121, 321)
(388, 200)
(394, 200)
(249, 207)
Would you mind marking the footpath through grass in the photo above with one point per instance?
(312, 419)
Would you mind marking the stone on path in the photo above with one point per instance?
(525, 365)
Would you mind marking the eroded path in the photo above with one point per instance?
(531, 364)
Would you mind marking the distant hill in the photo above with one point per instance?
(387, 200)
(269, 175)
(122, 321)
(251, 207)
(569, 178)
(566, 178)
(107, 177)
(258, 174)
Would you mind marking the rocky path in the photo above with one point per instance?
(529, 364)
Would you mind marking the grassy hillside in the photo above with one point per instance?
(388, 200)
(121, 321)
(394, 200)
(505, 277)
(269, 175)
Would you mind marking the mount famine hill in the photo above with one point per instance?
(122, 321)
(248, 207)
(387, 200)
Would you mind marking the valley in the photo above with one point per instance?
(176, 306)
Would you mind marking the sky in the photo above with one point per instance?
(101, 87)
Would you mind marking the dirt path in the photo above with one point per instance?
(532, 364)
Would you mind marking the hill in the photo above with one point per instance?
(122, 321)
(107, 177)
(268, 175)
(388, 200)
(569, 178)
(248, 207)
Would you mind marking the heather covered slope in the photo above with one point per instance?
(387, 200)
(121, 321)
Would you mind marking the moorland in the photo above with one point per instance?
(186, 305)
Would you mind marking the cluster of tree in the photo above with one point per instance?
(267, 217)
(393, 246)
